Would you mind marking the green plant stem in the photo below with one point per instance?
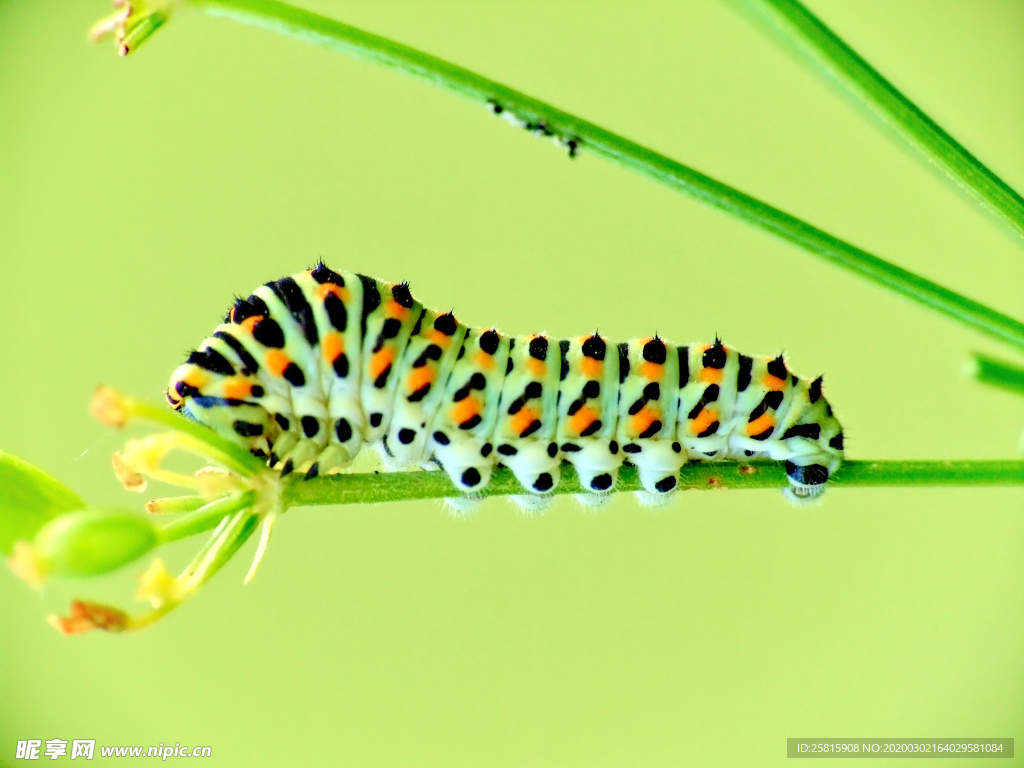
(173, 504)
(374, 487)
(286, 19)
(836, 60)
(205, 518)
(996, 373)
(380, 487)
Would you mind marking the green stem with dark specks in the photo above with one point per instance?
(287, 19)
(404, 486)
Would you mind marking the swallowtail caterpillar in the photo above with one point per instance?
(311, 368)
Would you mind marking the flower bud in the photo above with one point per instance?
(110, 406)
(132, 23)
(85, 616)
(93, 541)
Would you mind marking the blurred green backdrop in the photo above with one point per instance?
(137, 196)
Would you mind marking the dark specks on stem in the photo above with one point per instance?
(570, 144)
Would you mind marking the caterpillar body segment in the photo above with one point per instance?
(648, 407)
(463, 425)
(588, 414)
(528, 417)
(423, 370)
(310, 368)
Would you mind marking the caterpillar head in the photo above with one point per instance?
(185, 383)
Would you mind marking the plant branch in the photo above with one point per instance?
(996, 373)
(836, 60)
(368, 488)
(547, 120)
(206, 517)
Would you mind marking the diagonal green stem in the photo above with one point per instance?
(206, 517)
(996, 373)
(547, 120)
(835, 59)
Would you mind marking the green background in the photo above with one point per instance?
(137, 196)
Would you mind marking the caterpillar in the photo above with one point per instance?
(309, 369)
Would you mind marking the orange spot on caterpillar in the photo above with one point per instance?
(484, 361)
(465, 409)
(380, 361)
(396, 310)
(536, 368)
(418, 377)
(592, 368)
(773, 383)
(748, 470)
(324, 289)
(277, 361)
(651, 371)
(582, 419)
(642, 420)
(440, 339)
(761, 423)
(712, 375)
(250, 322)
(523, 418)
(332, 345)
(237, 389)
(704, 419)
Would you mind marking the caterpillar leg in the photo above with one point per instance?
(658, 465)
(468, 462)
(460, 506)
(808, 476)
(301, 457)
(291, 451)
(536, 466)
(531, 502)
(597, 468)
(332, 458)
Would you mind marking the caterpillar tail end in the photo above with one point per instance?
(808, 477)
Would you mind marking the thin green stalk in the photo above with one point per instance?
(372, 487)
(836, 60)
(207, 517)
(547, 120)
(175, 504)
(996, 373)
(381, 487)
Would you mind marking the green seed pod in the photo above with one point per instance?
(93, 541)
